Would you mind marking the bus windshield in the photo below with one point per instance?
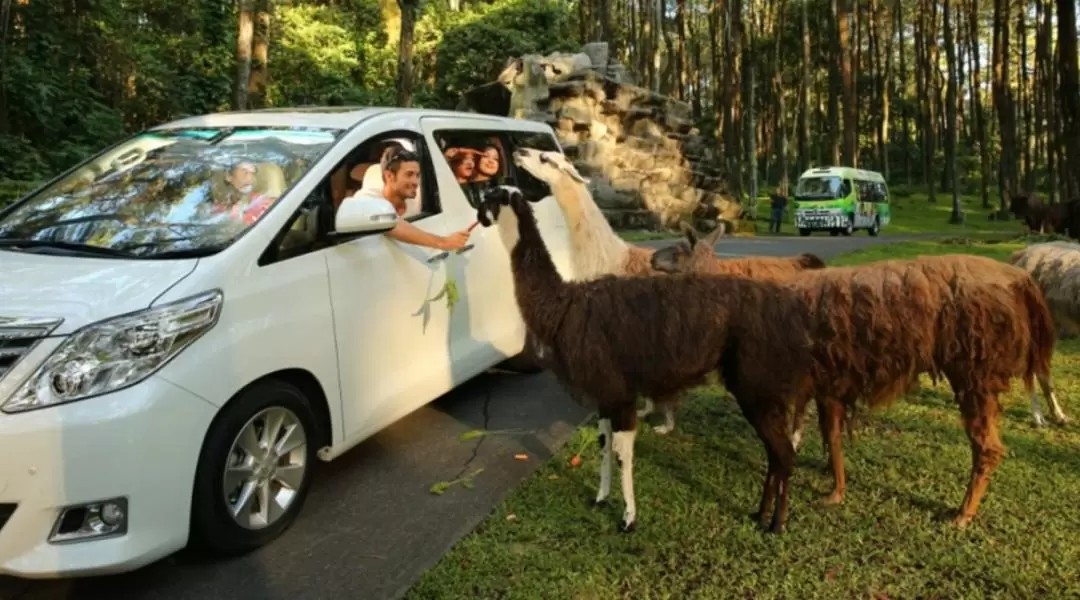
(821, 188)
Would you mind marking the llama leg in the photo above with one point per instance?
(605, 460)
(757, 419)
(667, 408)
(981, 414)
(1047, 386)
(1036, 411)
(798, 422)
(623, 442)
(648, 410)
(832, 425)
(783, 455)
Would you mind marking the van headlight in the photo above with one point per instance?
(117, 353)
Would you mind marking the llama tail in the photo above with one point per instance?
(809, 260)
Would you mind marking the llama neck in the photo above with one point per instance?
(538, 287)
(596, 248)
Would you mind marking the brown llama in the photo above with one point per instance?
(875, 328)
(1059, 218)
(611, 339)
(596, 250)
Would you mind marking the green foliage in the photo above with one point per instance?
(476, 46)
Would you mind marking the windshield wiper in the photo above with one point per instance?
(70, 246)
(185, 253)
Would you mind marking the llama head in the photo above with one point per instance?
(686, 255)
(1019, 202)
(494, 199)
(549, 167)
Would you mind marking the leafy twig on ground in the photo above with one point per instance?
(466, 481)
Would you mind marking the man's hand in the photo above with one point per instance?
(456, 240)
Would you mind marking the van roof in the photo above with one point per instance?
(838, 171)
(336, 117)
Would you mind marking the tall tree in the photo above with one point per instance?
(1003, 101)
(1069, 95)
(851, 126)
(409, 9)
(957, 216)
(245, 33)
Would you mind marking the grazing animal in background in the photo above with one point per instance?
(610, 339)
(1060, 218)
(875, 328)
(596, 250)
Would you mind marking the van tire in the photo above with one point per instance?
(212, 527)
(804, 232)
(850, 228)
(875, 228)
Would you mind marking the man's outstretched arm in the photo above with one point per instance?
(406, 232)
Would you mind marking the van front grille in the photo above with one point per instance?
(18, 336)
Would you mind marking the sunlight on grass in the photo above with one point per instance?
(907, 471)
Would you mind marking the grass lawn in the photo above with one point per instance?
(907, 471)
(911, 214)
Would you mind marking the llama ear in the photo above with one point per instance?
(689, 232)
(713, 237)
(568, 169)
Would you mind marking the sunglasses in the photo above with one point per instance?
(398, 155)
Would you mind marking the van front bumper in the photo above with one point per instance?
(140, 445)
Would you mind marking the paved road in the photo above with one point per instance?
(370, 527)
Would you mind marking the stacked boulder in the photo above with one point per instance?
(647, 164)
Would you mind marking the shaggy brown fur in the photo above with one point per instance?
(975, 321)
(874, 328)
(614, 338)
(699, 256)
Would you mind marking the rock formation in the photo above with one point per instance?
(647, 164)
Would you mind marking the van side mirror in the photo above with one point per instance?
(359, 215)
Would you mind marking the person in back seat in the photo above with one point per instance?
(401, 181)
(239, 202)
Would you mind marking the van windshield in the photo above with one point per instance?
(167, 193)
(821, 188)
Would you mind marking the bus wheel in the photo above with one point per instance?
(834, 232)
(875, 228)
(804, 232)
(850, 227)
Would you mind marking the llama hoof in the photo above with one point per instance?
(777, 527)
(598, 502)
(662, 429)
(833, 499)
(625, 527)
(643, 412)
(961, 521)
(1062, 420)
(1039, 421)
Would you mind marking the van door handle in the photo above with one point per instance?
(437, 257)
(464, 249)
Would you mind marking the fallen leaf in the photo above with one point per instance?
(521, 456)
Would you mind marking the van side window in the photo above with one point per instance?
(478, 159)
(544, 142)
(359, 172)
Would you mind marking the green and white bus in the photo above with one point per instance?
(841, 200)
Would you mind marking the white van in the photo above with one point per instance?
(173, 361)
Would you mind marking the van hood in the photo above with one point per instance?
(82, 290)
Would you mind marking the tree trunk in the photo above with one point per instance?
(957, 216)
(977, 104)
(836, 86)
(405, 52)
(260, 59)
(778, 90)
(905, 124)
(1070, 98)
(244, 36)
(680, 49)
(804, 93)
(851, 127)
(1003, 101)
